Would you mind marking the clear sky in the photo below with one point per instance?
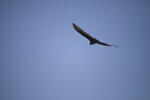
(43, 58)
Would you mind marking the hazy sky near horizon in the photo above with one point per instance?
(43, 58)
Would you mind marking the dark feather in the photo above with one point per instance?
(89, 37)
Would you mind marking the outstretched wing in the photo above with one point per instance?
(83, 33)
(105, 44)
(89, 37)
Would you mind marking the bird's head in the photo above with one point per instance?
(92, 42)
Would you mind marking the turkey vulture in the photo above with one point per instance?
(89, 37)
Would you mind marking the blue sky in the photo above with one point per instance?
(43, 58)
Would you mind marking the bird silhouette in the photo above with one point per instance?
(89, 37)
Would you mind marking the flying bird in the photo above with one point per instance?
(89, 37)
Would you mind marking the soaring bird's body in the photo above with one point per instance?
(89, 37)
